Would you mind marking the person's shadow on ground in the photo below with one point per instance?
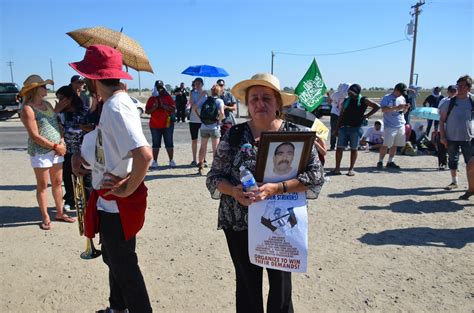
(374, 169)
(418, 207)
(15, 216)
(421, 236)
(388, 191)
(18, 187)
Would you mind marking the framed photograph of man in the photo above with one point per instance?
(282, 155)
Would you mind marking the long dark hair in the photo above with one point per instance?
(69, 93)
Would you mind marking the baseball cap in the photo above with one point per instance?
(452, 88)
(355, 88)
(198, 79)
(76, 78)
(401, 87)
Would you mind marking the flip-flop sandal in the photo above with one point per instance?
(351, 173)
(334, 173)
(65, 218)
(45, 225)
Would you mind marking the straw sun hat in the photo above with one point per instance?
(262, 79)
(34, 81)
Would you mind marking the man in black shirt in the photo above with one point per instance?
(181, 101)
(349, 126)
(433, 102)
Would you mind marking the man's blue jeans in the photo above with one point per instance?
(453, 153)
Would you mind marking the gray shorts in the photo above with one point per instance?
(210, 133)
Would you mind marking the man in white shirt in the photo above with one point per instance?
(393, 107)
(373, 136)
(116, 208)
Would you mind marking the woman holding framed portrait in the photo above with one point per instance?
(238, 148)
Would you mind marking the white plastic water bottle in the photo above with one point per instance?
(247, 179)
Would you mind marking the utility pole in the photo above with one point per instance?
(52, 76)
(416, 13)
(139, 85)
(10, 63)
(273, 56)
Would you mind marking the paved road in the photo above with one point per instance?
(14, 136)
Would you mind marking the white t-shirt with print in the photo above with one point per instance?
(374, 136)
(118, 133)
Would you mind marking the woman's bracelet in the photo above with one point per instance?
(55, 146)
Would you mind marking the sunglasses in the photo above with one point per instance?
(222, 85)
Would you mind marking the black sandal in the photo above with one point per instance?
(467, 195)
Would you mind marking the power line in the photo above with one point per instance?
(343, 52)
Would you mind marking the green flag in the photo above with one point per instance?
(311, 88)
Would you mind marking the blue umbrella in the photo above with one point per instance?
(205, 71)
(426, 112)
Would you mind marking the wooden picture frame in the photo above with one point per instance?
(276, 162)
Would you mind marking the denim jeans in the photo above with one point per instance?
(349, 135)
(166, 133)
(453, 153)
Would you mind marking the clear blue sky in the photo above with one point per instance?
(240, 35)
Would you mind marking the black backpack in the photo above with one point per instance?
(452, 103)
(209, 112)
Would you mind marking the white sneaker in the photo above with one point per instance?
(154, 165)
(172, 164)
(67, 208)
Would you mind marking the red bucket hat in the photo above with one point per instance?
(101, 62)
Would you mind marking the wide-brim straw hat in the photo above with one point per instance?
(263, 79)
(32, 82)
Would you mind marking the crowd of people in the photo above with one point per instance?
(454, 132)
(99, 136)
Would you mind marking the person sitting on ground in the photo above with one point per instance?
(418, 131)
(373, 136)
